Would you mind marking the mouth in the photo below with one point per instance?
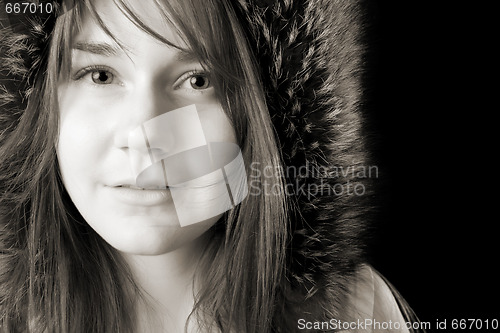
(149, 188)
(143, 196)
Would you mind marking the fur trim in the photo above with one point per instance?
(310, 57)
(22, 44)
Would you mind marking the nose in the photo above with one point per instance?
(165, 135)
(145, 102)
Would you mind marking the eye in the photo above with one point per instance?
(102, 77)
(97, 75)
(199, 82)
(194, 80)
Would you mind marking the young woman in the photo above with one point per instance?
(90, 244)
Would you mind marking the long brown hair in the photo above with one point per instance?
(58, 275)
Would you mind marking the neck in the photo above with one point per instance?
(166, 285)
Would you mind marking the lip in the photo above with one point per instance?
(134, 187)
(135, 196)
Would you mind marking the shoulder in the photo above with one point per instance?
(374, 305)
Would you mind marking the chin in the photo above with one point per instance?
(143, 236)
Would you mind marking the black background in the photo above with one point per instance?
(427, 106)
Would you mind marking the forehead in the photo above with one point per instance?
(122, 27)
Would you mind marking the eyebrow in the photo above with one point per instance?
(186, 56)
(96, 48)
(105, 49)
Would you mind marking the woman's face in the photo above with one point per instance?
(108, 98)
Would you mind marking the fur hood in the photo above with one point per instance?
(310, 55)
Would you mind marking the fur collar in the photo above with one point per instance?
(310, 57)
(310, 53)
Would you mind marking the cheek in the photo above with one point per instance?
(81, 141)
(216, 125)
(74, 142)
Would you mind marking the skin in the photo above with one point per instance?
(99, 107)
